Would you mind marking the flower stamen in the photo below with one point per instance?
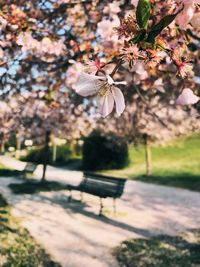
(104, 89)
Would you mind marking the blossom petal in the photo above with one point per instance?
(110, 80)
(187, 97)
(122, 82)
(119, 100)
(184, 17)
(106, 104)
(88, 84)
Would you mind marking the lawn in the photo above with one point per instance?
(177, 164)
(161, 251)
(17, 247)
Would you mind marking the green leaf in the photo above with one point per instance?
(143, 13)
(139, 38)
(157, 29)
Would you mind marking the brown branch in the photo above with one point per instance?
(152, 113)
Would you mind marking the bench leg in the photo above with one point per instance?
(114, 205)
(81, 195)
(70, 195)
(101, 207)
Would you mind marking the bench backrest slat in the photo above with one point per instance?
(30, 167)
(109, 186)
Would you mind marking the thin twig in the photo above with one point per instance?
(152, 113)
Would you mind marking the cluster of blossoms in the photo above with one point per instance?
(142, 52)
(145, 38)
(46, 47)
(91, 46)
(13, 18)
(33, 114)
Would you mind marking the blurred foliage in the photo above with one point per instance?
(104, 152)
(32, 187)
(36, 155)
(161, 251)
(17, 247)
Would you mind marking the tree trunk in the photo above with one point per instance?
(45, 154)
(147, 155)
(2, 144)
(18, 146)
(54, 152)
(2, 147)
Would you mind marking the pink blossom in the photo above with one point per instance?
(27, 42)
(154, 57)
(112, 8)
(185, 69)
(104, 88)
(134, 2)
(73, 73)
(139, 72)
(187, 97)
(45, 47)
(196, 20)
(94, 66)
(186, 15)
(130, 54)
(52, 47)
(104, 28)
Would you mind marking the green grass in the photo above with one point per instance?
(32, 187)
(177, 164)
(161, 251)
(17, 247)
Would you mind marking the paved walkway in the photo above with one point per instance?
(74, 234)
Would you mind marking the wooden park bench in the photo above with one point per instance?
(101, 186)
(29, 168)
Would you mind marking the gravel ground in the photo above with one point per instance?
(74, 234)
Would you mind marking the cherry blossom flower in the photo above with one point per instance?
(187, 97)
(128, 27)
(184, 67)
(186, 15)
(73, 73)
(103, 87)
(196, 20)
(27, 42)
(134, 2)
(105, 31)
(154, 57)
(105, 28)
(94, 66)
(130, 54)
(112, 8)
(137, 73)
(45, 47)
(52, 47)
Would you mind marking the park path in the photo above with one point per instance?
(76, 236)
